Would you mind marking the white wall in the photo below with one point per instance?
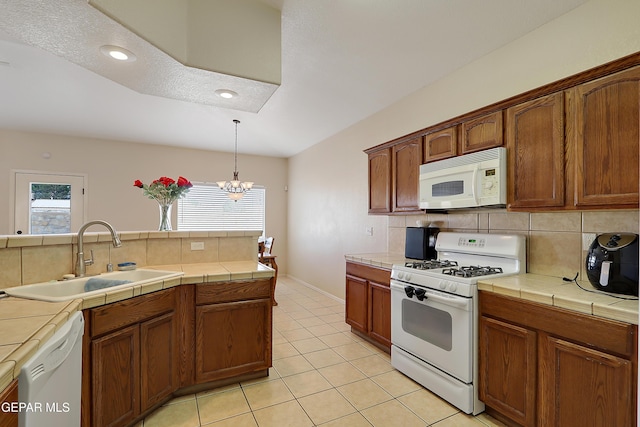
(328, 182)
(113, 166)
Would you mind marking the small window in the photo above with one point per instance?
(206, 207)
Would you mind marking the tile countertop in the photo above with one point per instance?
(26, 324)
(537, 288)
(559, 293)
(384, 260)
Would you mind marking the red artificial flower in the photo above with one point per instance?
(184, 182)
(165, 190)
(166, 181)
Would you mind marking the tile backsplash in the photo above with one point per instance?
(40, 258)
(557, 242)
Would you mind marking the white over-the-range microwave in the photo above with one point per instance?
(468, 181)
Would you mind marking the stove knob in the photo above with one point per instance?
(443, 284)
(421, 294)
(400, 275)
(407, 277)
(453, 287)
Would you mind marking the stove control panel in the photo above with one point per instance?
(471, 242)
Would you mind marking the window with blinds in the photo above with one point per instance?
(206, 207)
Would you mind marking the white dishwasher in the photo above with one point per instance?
(50, 383)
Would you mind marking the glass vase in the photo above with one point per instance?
(165, 217)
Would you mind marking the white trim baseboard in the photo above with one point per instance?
(310, 286)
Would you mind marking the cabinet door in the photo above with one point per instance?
(584, 387)
(232, 339)
(507, 375)
(9, 395)
(116, 377)
(605, 138)
(380, 181)
(356, 313)
(441, 145)
(406, 160)
(482, 133)
(380, 313)
(158, 360)
(535, 145)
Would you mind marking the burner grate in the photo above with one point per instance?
(430, 264)
(472, 271)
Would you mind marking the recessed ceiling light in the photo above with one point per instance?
(118, 53)
(226, 93)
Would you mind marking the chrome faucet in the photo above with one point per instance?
(82, 263)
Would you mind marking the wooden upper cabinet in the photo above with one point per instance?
(441, 144)
(481, 133)
(604, 139)
(405, 161)
(380, 181)
(535, 145)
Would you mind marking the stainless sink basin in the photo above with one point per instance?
(67, 290)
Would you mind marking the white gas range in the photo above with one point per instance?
(434, 311)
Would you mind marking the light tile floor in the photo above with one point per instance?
(322, 375)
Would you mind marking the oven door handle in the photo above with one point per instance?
(458, 302)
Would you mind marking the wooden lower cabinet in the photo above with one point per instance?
(357, 307)
(133, 357)
(368, 302)
(511, 351)
(158, 360)
(222, 347)
(581, 386)
(140, 351)
(233, 327)
(9, 395)
(116, 377)
(380, 313)
(546, 366)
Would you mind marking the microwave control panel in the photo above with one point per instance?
(489, 183)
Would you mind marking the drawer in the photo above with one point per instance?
(208, 293)
(134, 310)
(374, 274)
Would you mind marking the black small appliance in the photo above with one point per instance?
(612, 263)
(420, 243)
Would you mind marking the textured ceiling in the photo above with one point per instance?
(75, 31)
(341, 62)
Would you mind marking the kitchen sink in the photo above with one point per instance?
(84, 287)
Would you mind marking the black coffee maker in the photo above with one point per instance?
(420, 242)
(612, 263)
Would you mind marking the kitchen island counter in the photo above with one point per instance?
(27, 324)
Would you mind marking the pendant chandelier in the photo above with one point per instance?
(235, 188)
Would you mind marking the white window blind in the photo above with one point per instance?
(206, 207)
